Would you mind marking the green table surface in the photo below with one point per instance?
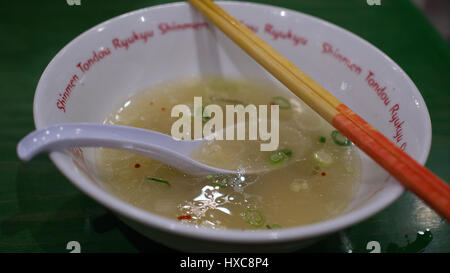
(41, 211)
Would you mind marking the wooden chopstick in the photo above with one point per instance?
(416, 178)
(313, 86)
(301, 76)
(335, 120)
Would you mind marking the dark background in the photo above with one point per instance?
(41, 211)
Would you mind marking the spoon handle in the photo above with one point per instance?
(146, 142)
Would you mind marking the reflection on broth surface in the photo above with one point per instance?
(312, 176)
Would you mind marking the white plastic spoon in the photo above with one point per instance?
(149, 143)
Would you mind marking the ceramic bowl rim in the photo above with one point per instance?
(229, 236)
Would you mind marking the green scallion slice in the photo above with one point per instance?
(216, 177)
(158, 180)
(280, 156)
(340, 139)
(205, 116)
(220, 185)
(322, 139)
(276, 157)
(323, 157)
(274, 226)
(282, 102)
(254, 218)
(286, 152)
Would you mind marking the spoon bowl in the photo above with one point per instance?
(155, 145)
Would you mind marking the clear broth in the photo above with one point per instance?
(297, 191)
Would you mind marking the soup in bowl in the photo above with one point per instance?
(311, 176)
(134, 69)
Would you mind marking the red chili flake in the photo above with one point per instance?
(323, 174)
(151, 103)
(163, 108)
(184, 217)
(137, 165)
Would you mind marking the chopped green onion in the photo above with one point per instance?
(323, 157)
(205, 116)
(274, 226)
(158, 180)
(220, 185)
(282, 102)
(201, 112)
(219, 180)
(276, 157)
(254, 218)
(216, 176)
(287, 152)
(322, 139)
(280, 156)
(340, 139)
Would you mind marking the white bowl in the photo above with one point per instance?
(334, 57)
